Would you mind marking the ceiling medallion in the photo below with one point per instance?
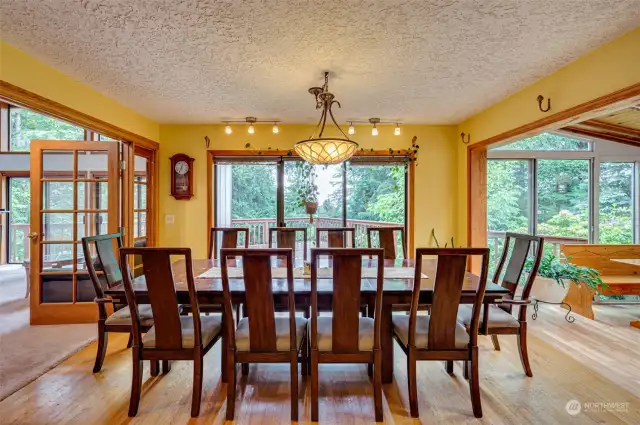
(325, 150)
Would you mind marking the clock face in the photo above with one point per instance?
(182, 168)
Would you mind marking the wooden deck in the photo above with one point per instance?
(591, 362)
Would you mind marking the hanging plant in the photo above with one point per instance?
(308, 191)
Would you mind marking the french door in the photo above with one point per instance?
(74, 193)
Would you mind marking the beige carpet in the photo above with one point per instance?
(27, 352)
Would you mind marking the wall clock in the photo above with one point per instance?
(181, 176)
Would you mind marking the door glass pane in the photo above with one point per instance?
(563, 198)
(616, 202)
(93, 195)
(19, 207)
(508, 203)
(57, 164)
(57, 195)
(140, 196)
(92, 224)
(57, 257)
(376, 198)
(328, 211)
(93, 164)
(139, 224)
(57, 226)
(246, 197)
(26, 125)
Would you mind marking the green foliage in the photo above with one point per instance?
(27, 125)
(547, 142)
(551, 267)
(253, 191)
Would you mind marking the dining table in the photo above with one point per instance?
(397, 290)
(633, 262)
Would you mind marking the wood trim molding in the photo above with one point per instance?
(629, 94)
(24, 98)
(476, 200)
(291, 153)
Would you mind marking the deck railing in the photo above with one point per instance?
(496, 240)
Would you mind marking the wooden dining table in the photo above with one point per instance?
(633, 262)
(396, 290)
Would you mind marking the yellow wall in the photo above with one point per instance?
(24, 71)
(435, 175)
(610, 68)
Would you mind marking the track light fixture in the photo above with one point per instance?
(251, 128)
(374, 130)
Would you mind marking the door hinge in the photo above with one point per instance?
(123, 165)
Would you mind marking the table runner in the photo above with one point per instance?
(323, 273)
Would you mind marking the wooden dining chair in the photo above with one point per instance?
(262, 337)
(346, 337)
(230, 238)
(337, 237)
(439, 336)
(173, 336)
(105, 262)
(387, 240)
(286, 238)
(498, 319)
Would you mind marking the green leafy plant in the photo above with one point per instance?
(307, 192)
(435, 240)
(565, 271)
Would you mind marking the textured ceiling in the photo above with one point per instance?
(197, 61)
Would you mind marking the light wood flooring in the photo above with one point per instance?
(591, 362)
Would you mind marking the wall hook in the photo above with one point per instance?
(207, 141)
(540, 98)
(468, 138)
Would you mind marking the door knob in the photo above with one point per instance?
(33, 236)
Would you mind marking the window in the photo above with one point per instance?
(547, 142)
(19, 206)
(26, 125)
(616, 202)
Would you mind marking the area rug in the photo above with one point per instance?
(27, 352)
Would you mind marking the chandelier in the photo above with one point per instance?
(325, 150)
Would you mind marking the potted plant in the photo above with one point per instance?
(561, 281)
(308, 190)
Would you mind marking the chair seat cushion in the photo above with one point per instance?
(123, 316)
(210, 327)
(325, 334)
(282, 333)
(498, 318)
(401, 329)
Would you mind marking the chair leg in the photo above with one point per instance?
(304, 354)
(314, 385)
(413, 386)
(465, 369)
(166, 366)
(474, 384)
(294, 385)
(197, 385)
(154, 367)
(130, 341)
(223, 356)
(522, 347)
(370, 370)
(103, 338)
(377, 385)
(496, 343)
(136, 383)
(231, 384)
(245, 369)
(449, 366)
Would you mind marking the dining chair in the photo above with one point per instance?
(346, 337)
(173, 336)
(105, 261)
(286, 238)
(498, 319)
(337, 236)
(261, 337)
(439, 336)
(387, 240)
(230, 238)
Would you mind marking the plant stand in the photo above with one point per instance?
(579, 298)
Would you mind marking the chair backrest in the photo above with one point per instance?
(286, 238)
(229, 238)
(522, 245)
(387, 240)
(106, 259)
(347, 283)
(336, 236)
(158, 275)
(258, 303)
(447, 291)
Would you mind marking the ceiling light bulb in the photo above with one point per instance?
(397, 130)
(228, 130)
(352, 129)
(275, 129)
(251, 130)
(374, 130)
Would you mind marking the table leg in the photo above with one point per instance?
(635, 324)
(386, 342)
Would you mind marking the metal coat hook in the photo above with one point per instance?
(540, 98)
(468, 138)
(207, 141)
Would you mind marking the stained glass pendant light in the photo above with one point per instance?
(325, 150)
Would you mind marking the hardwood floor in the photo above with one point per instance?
(585, 361)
